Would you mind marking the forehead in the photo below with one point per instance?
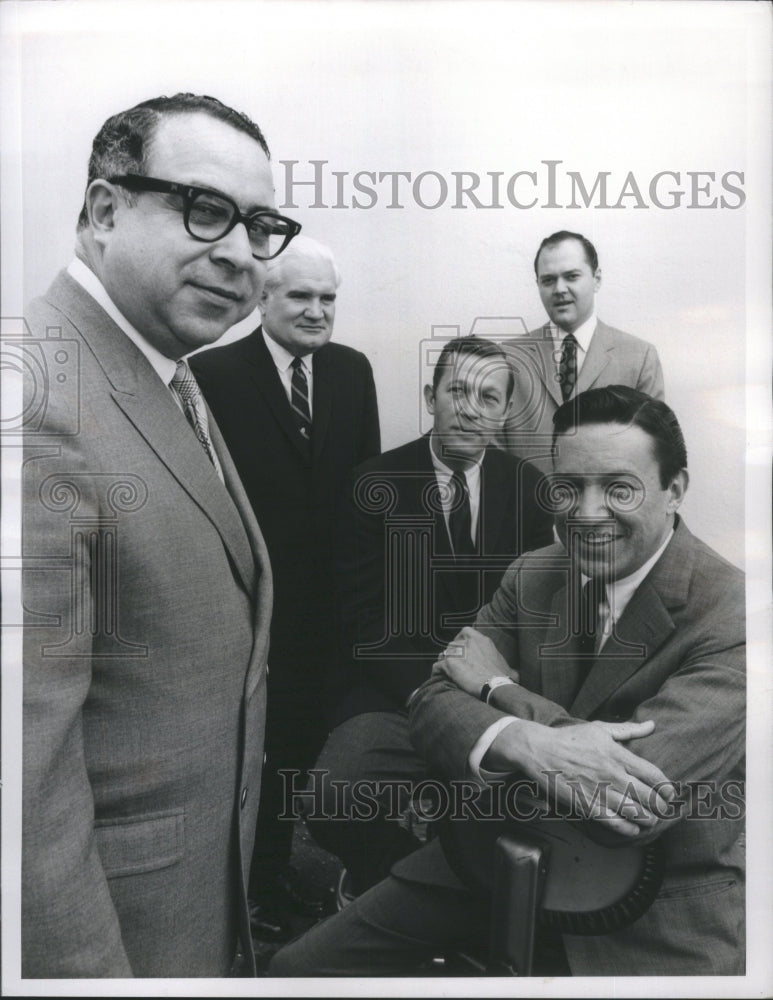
(565, 256)
(195, 148)
(606, 449)
(477, 373)
(307, 273)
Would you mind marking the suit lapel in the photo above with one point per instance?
(149, 405)
(643, 627)
(266, 378)
(597, 357)
(560, 670)
(492, 512)
(547, 347)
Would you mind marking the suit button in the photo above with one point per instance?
(244, 797)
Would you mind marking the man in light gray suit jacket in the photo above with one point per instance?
(575, 351)
(147, 587)
(601, 667)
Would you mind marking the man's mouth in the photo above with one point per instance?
(222, 293)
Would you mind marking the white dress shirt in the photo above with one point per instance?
(618, 594)
(283, 361)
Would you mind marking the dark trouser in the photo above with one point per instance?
(295, 731)
(391, 930)
(372, 747)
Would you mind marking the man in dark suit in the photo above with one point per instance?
(575, 351)
(400, 521)
(298, 414)
(641, 695)
(144, 696)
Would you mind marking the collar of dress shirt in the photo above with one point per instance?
(620, 592)
(582, 334)
(80, 272)
(282, 357)
(471, 473)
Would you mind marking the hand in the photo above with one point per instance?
(587, 771)
(470, 661)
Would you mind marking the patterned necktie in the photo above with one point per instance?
(187, 389)
(567, 366)
(299, 399)
(460, 517)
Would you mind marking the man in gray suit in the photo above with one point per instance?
(575, 351)
(147, 586)
(610, 670)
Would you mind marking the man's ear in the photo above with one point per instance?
(597, 279)
(429, 398)
(102, 200)
(677, 490)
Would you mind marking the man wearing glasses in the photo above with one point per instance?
(147, 585)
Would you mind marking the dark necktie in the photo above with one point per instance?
(567, 366)
(460, 517)
(299, 399)
(593, 593)
(187, 389)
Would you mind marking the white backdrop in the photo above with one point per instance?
(443, 86)
(451, 87)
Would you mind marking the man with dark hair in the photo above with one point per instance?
(575, 351)
(298, 414)
(144, 694)
(645, 701)
(436, 521)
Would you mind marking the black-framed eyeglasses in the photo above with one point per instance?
(210, 215)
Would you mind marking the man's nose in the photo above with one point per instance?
(591, 503)
(560, 286)
(235, 248)
(314, 308)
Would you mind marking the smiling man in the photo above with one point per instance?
(611, 670)
(575, 351)
(144, 698)
(298, 413)
(466, 510)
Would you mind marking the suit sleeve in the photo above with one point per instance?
(69, 924)
(651, 375)
(369, 429)
(364, 601)
(698, 706)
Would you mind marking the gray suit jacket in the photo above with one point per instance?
(613, 358)
(147, 594)
(677, 656)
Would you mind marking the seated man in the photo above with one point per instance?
(453, 512)
(659, 692)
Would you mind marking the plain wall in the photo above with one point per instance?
(448, 87)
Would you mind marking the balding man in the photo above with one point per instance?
(298, 414)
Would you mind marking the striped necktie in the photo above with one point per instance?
(187, 389)
(299, 399)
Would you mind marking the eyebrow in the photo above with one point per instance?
(224, 194)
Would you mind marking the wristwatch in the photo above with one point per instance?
(495, 682)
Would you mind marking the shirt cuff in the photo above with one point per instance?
(481, 747)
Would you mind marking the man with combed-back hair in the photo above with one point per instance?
(147, 586)
(572, 352)
(633, 722)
